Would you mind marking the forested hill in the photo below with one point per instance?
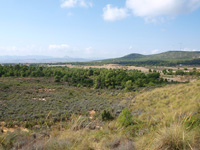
(170, 55)
(170, 58)
(133, 56)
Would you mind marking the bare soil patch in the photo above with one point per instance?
(46, 90)
(108, 66)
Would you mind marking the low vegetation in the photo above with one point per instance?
(50, 113)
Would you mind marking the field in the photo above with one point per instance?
(108, 66)
(43, 113)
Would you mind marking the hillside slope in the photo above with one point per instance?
(170, 55)
(159, 123)
(133, 56)
(170, 58)
(176, 55)
(166, 101)
(166, 118)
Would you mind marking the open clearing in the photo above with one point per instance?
(109, 66)
(115, 66)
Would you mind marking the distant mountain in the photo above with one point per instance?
(169, 58)
(39, 59)
(133, 56)
(176, 55)
(170, 55)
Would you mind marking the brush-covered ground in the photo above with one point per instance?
(37, 113)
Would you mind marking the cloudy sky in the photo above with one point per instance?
(98, 28)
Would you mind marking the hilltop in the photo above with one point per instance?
(170, 55)
(170, 58)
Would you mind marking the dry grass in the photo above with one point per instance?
(174, 137)
(163, 103)
(166, 111)
(108, 137)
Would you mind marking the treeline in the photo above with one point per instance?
(193, 72)
(97, 78)
(141, 62)
(193, 62)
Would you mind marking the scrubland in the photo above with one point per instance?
(39, 113)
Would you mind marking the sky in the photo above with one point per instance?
(98, 28)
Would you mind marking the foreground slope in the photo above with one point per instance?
(171, 99)
(162, 118)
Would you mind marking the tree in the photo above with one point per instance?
(65, 78)
(139, 82)
(57, 78)
(129, 85)
(164, 71)
(180, 72)
(97, 82)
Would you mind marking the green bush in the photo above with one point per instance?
(125, 118)
(106, 115)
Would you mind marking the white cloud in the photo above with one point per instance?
(113, 13)
(76, 3)
(62, 46)
(189, 49)
(154, 51)
(69, 3)
(150, 9)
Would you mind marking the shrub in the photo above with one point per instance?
(106, 115)
(125, 118)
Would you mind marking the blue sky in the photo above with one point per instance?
(98, 28)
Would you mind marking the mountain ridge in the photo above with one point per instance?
(39, 59)
(165, 55)
(168, 58)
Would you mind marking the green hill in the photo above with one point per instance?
(133, 56)
(170, 55)
(170, 58)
